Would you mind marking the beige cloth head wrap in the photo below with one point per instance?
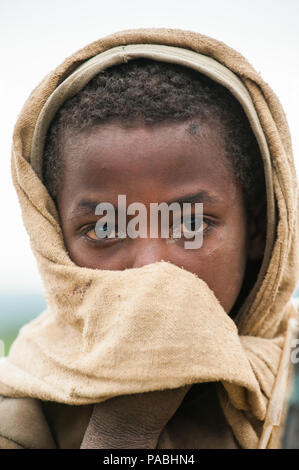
(108, 333)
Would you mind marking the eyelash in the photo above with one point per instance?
(83, 233)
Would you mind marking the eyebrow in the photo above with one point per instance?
(202, 196)
(87, 206)
(84, 207)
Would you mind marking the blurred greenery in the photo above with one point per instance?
(17, 309)
(7, 340)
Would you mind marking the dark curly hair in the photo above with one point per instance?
(150, 92)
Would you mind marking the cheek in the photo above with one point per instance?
(221, 263)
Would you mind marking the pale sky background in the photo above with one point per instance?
(36, 35)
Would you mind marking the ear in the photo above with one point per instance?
(257, 225)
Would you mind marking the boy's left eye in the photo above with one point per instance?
(191, 224)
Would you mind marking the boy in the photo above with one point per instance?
(157, 124)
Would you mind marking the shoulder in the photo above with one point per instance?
(23, 424)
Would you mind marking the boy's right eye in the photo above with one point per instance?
(103, 232)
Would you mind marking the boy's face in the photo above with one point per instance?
(162, 163)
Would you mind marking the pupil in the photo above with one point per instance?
(192, 224)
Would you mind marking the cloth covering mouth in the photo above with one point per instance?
(108, 333)
(138, 330)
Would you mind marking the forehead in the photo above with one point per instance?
(144, 160)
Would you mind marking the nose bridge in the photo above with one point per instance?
(150, 250)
